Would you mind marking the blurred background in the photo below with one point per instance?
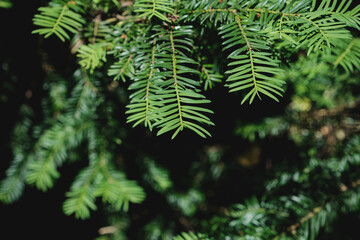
(254, 151)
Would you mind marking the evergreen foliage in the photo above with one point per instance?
(38, 164)
(250, 31)
(167, 55)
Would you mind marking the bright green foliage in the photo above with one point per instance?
(346, 54)
(59, 20)
(143, 100)
(5, 4)
(98, 180)
(209, 77)
(160, 57)
(251, 68)
(189, 236)
(122, 69)
(167, 54)
(179, 94)
(91, 56)
(150, 8)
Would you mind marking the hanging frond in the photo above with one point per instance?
(57, 93)
(323, 25)
(116, 190)
(346, 54)
(123, 68)
(100, 180)
(265, 12)
(11, 188)
(157, 8)
(146, 84)
(92, 56)
(340, 11)
(255, 67)
(52, 150)
(209, 77)
(180, 95)
(319, 34)
(83, 99)
(59, 20)
(157, 176)
(81, 197)
(125, 49)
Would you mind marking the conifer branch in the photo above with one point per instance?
(58, 19)
(55, 144)
(250, 51)
(174, 68)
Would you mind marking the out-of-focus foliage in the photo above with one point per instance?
(284, 174)
(63, 131)
(5, 4)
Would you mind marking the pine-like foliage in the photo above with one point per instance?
(189, 236)
(162, 55)
(346, 54)
(179, 93)
(151, 8)
(38, 164)
(58, 19)
(252, 68)
(157, 63)
(100, 179)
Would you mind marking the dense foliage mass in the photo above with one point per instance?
(159, 64)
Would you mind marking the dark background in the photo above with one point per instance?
(39, 215)
(36, 215)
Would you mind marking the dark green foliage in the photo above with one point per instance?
(250, 30)
(38, 164)
(284, 174)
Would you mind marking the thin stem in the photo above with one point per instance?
(320, 30)
(175, 78)
(238, 21)
(58, 20)
(149, 83)
(346, 52)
